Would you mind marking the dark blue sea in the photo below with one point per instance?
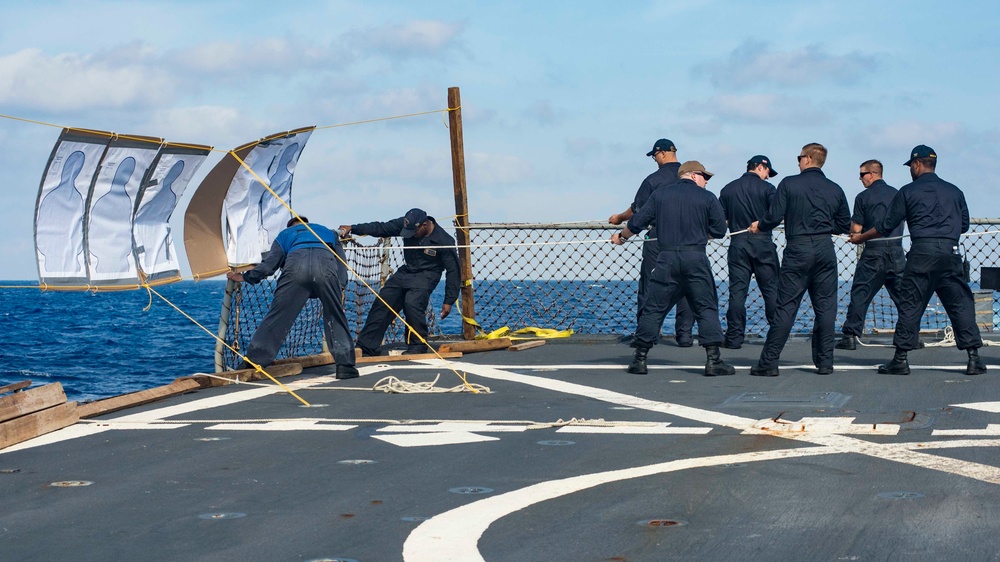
(109, 343)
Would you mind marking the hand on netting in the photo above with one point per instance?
(233, 276)
(445, 310)
(615, 219)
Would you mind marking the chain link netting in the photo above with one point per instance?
(570, 276)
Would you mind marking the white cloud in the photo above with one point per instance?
(755, 62)
(762, 109)
(66, 82)
(267, 56)
(904, 135)
(417, 38)
(206, 125)
(497, 169)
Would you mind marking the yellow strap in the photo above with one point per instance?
(546, 333)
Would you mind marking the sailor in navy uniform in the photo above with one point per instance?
(881, 262)
(745, 200)
(813, 208)
(664, 153)
(686, 216)
(937, 215)
(309, 269)
(409, 289)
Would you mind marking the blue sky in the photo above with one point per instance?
(561, 101)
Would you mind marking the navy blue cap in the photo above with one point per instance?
(761, 159)
(662, 144)
(920, 151)
(411, 221)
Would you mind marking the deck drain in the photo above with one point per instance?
(215, 516)
(71, 483)
(556, 443)
(471, 490)
(211, 438)
(901, 495)
(662, 522)
(412, 518)
(356, 461)
(9, 470)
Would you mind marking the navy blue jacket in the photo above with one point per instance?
(745, 200)
(664, 175)
(810, 204)
(420, 260)
(293, 238)
(872, 204)
(685, 215)
(932, 208)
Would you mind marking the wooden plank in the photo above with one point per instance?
(475, 345)
(115, 403)
(308, 361)
(417, 357)
(38, 423)
(14, 387)
(31, 400)
(246, 375)
(526, 345)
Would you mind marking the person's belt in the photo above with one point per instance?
(694, 247)
(807, 237)
(885, 243)
(933, 240)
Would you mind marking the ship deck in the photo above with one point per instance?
(566, 458)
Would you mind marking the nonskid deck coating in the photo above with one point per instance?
(748, 468)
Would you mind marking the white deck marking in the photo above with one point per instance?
(454, 427)
(658, 429)
(842, 426)
(454, 535)
(431, 439)
(992, 407)
(991, 429)
(290, 425)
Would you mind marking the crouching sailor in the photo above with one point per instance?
(686, 216)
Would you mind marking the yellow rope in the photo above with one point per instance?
(207, 331)
(356, 274)
(389, 118)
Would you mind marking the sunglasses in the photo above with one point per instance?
(863, 174)
(801, 156)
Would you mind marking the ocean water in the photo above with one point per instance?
(109, 343)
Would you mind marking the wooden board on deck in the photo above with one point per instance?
(31, 400)
(308, 361)
(14, 386)
(246, 375)
(38, 423)
(475, 345)
(526, 345)
(115, 403)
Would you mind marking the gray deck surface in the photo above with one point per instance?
(852, 466)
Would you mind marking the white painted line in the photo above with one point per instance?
(659, 429)
(454, 427)
(818, 426)
(992, 407)
(432, 439)
(990, 430)
(291, 425)
(453, 535)
(71, 432)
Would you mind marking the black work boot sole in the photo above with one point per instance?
(847, 343)
(975, 368)
(722, 370)
(347, 372)
(894, 368)
(757, 371)
(638, 368)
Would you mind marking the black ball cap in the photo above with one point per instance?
(411, 221)
(662, 144)
(761, 159)
(920, 151)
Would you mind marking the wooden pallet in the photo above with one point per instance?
(26, 414)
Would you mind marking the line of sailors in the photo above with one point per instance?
(682, 216)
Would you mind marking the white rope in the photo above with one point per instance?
(388, 385)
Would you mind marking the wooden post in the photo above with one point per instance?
(462, 210)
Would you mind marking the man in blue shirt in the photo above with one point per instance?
(813, 208)
(745, 200)
(937, 215)
(664, 153)
(686, 216)
(309, 269)
(882, 261)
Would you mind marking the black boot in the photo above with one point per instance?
(849, 343)
(347, 372)
(715, 367)
(898, 365)
(976, 365)
(638, 366)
